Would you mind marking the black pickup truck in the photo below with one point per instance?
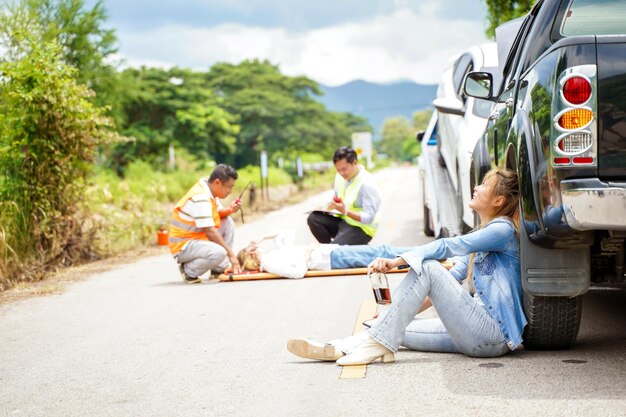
(559, 119)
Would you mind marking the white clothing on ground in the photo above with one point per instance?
(281, 257)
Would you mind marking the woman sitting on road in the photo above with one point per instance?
(487, 324)
(278, 255)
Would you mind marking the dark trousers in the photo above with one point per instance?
(330, 229)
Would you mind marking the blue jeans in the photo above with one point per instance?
(463, 326)
(356, 256)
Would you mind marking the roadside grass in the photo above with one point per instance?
(16, 252)
(128, 212)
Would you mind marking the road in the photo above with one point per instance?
(135, 341)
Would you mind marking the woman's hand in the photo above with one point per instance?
(384, 264)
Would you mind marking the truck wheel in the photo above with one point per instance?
(553, 322)
(428, 229)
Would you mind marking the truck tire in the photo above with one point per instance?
(553, 322)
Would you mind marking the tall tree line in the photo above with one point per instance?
(228, 113)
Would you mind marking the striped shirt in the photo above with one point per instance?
(199, 208)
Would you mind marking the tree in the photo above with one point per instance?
(229, 114)
(161, 107)
(49, 129)
(421, 119)
(501, 11)
(399, 135)
(85, 43)
(277, 113)
(411, 148)
(396, 130)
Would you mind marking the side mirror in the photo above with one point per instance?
(479, 85)
(420, 135)
(449, 105)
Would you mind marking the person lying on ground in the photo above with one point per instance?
(274, 255)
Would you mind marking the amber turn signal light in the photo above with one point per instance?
(575, 119)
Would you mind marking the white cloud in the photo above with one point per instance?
(403, 45)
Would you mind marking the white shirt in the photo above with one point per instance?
(281, 257)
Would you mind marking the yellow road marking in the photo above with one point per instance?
(367, 311)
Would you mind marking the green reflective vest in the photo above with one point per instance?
(349, 196)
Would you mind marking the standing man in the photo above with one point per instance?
(356, 199)
(201, 231)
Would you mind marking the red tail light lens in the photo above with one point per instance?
(577, 90)
(561, 161)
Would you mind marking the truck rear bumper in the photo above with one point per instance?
(591, 204)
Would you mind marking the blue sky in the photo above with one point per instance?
(330, 41)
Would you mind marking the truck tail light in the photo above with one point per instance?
(576, 90)
(574, 132)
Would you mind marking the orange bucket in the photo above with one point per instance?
(163, 238)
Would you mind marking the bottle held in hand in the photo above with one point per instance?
(380, 287)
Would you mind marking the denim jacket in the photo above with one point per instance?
(497, 277)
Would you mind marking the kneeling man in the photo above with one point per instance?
(201, 231)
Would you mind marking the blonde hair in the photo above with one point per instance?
(505, 184)
(249, 258)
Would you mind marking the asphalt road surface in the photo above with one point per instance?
(136, 341)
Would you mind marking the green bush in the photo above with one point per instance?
(48, 133)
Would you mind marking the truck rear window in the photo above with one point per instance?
(595, 17)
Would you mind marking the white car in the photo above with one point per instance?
(461, 122)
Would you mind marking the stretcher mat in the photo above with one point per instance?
(253, 275)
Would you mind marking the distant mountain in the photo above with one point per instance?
(379, 101)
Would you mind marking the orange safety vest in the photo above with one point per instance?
(182, 231)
